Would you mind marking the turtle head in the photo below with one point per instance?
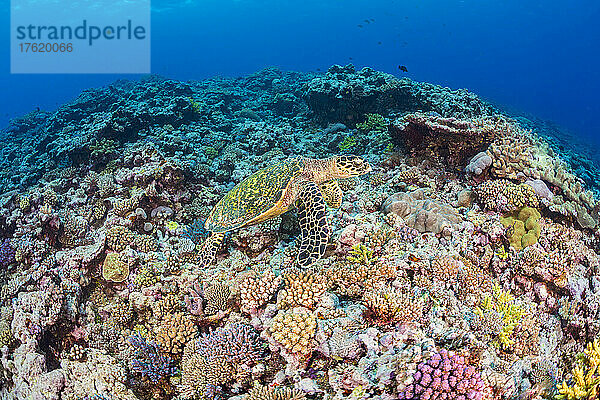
(347, 166)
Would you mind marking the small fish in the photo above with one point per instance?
(359, 25)
(367, 21)
(318, 69)
(402, 68)
(378, 42)
(413, 258)
(349, 58)
(372, 19)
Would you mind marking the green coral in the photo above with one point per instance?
(146, 277)
(103, 147)
(360, 254)
(586, 376)
(347, 144)
(511, 313)
(195, 105)
(523, 227)
(210, 152)
(373, 123)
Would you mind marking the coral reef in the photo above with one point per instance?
(465, 266)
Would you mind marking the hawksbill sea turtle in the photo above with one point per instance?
(309, 185)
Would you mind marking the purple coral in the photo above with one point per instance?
(7, 253)
(149, 360)
(445, 376)
(237, 343)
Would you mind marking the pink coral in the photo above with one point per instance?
(445, 376)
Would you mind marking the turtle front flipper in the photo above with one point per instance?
(211, 246)
(314, 229)
(332, 193)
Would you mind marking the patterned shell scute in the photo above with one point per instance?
(253, 196)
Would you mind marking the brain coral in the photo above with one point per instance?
(423, 214)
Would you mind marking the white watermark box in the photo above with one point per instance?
(80, 36)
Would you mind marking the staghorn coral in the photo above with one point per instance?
(500, 310)
(148, 359)
(585, 376)
(303, 288)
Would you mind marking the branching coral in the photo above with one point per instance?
(445, 376)
(295, 329)
(7, 253)
(390, 305)
(360, 254)
(174, 331)
(195, 231)
(505, 196)
(302, 289)
(585, 376)
(507, 313)
(217, 297)
(259, 392)
(372, 122)
(149, 360)
(256, 290)
(214, 358)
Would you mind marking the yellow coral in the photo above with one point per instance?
(523, 228)
(360, 254)
(586, 376)
(506, 306)
(294, 330)
(348, 143)
(114, 269)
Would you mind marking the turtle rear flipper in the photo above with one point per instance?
(332, 193)
(314, 229)
(211, 246)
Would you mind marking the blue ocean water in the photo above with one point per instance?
(538, 57)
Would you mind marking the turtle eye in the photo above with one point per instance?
(357, 162)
